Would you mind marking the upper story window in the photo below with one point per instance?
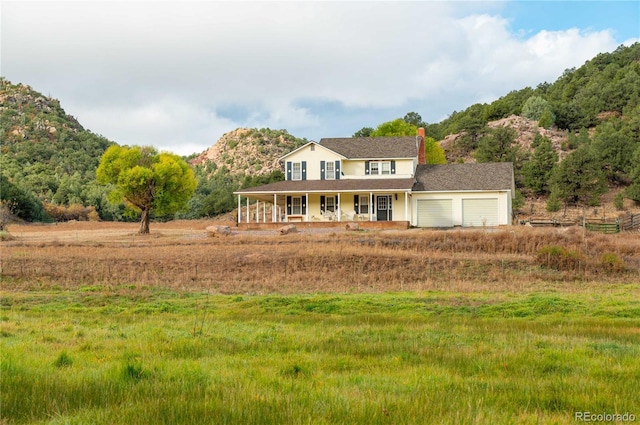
(330, 170)
(296, 171)
(380, 167)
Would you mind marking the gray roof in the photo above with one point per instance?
(485, 176)
(373, 147)
(342, 185)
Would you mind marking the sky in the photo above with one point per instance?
(177, 75)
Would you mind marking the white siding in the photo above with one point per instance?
(313, 158)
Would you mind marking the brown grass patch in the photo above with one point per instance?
(179, 255)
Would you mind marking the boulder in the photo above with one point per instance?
(352, 226)
(289, 228)
(218, 230)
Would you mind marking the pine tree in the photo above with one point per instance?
(537, 172)
(579, 179)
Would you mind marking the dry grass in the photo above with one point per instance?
(179, 255)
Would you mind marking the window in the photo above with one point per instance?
(374, 168)
(296, 171)
(379, 167)
(382, 203)
(363, 204)
(330, 203)
(385, 167)
(330, 170)
(296, 205)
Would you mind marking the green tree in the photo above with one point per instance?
(534, 107)
(397, 127)
(579, 178)
(537, 171)
(497, 146)
(363, 132)
(615, 142)
(414, 118)
(147, 180)
(434, 154)
(633, 191)
(547, 119)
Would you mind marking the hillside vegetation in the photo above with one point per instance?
(570, 141)
(574, 143)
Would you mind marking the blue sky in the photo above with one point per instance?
(179, 74)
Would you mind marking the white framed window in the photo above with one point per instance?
(330, 170)
(379, 167)
(374, 168)
(296, 171)
(385, 167)
(363, 204)
(330, 203)
(296, 205)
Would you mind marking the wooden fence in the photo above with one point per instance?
(622, 224)
(630, 222)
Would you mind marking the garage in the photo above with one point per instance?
(435, 213)
(480, 212)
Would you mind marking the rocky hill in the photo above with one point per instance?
(526, 130)
(247, 151)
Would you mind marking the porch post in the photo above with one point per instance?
(264, 212)
(339, 208)
(239, 210)
(306, 214)
(406, 206)
(370, 206)
(248, 210)
(274, 211)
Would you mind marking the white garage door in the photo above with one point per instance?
(480, 212)
(435, 213)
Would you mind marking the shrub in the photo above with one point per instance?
(611, 262)
(559, 258)
(618, 201)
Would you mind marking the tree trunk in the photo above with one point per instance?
(144, 222)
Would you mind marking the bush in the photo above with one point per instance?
(559, 258)
(611, 262)
(618, 201)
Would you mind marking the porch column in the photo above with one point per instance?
(257, 211)
(248, 211)
(339, 208)
(274, 211)
(406, 206)
(370, 206)
(264, 212)
(239, 210)
(306, 208)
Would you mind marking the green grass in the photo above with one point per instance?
(137, 355)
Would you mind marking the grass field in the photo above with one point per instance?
(99, 326)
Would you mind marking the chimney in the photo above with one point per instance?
(420, 146)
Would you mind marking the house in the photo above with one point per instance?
(383, 179)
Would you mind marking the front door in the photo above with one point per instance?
(384, 210)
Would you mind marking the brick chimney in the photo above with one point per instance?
(420, 145)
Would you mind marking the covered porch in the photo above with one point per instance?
(382, 200)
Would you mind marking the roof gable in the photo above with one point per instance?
(454, 177)
(305, 146)
(373, 147)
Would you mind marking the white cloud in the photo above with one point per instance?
(160, 72)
